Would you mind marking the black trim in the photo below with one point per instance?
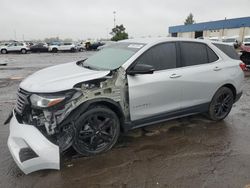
(9, 118)
(75, 114)
(167, 116)
(26, 154)
(238, 96)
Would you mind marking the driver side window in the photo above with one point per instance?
(161, 56)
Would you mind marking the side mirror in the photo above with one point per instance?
(141, 69)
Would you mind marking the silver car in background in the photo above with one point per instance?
(129, 84)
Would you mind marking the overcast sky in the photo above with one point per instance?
(81, 19)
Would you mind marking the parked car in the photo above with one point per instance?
(245, 55)
(234, 41)
(93, 45)
(130, 84)
(214, 38)
(80, 46)
(15, 47)
(67, 46)
(246, 41)
(39, 47)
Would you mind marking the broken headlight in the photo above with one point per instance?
(43, 101)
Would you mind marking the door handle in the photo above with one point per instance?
(175, 76)
(217, 68)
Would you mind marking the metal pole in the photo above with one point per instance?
(114, 18)
(15, 34)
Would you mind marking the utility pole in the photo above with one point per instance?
(15, 34)
(114, 18)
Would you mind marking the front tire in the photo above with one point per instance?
(97, 131)
(4, 51)
(221, 104)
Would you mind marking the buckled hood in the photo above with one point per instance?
(59, 78)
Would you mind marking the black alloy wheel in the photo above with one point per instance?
(97, 130)
(221, 104)
(54, 50)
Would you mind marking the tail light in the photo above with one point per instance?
(243, 66)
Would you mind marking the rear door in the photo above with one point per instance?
(160, 92)
(202, 73)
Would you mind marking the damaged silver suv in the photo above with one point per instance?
(132, 83)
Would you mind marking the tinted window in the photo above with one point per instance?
(161, 57)
(211, 55)
(193, 53)
(228, 50)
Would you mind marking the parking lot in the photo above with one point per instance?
(187, 152)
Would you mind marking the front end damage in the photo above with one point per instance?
(39, 135)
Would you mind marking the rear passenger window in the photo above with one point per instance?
(228, 50)
(161, 57)
(193, 53)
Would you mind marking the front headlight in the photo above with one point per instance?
(45, 101)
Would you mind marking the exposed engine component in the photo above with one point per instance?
(112, 87)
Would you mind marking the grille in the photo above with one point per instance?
(21, 101)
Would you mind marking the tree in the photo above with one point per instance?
(119, 33)
(189, 20)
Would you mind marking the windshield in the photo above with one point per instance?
(113, 56)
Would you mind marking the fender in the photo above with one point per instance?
(76, 113)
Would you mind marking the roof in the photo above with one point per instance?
(220, 24)
(152, 41)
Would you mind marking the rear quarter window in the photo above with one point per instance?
(228, 50)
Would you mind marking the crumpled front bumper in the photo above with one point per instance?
(30, 149)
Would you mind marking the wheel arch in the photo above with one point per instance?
(232, 88)
(109, 103)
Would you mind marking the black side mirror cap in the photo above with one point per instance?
(141, 69)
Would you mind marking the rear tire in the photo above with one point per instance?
(221, 104)
(97, 131)
(54, 50)
(23, 51)
(4, 51)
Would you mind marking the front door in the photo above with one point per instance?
(157, 93)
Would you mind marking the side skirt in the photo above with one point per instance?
(166, 116)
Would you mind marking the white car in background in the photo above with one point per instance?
(246, 40)
(214, 38)
(15, 47)
(234, 40)
(66, 46)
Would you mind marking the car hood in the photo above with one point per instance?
(59, 78)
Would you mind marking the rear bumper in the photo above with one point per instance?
(30, 149)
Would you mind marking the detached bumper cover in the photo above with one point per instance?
(30, 149)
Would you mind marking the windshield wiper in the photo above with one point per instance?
(81, 62)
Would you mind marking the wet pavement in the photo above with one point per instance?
(187, 152)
